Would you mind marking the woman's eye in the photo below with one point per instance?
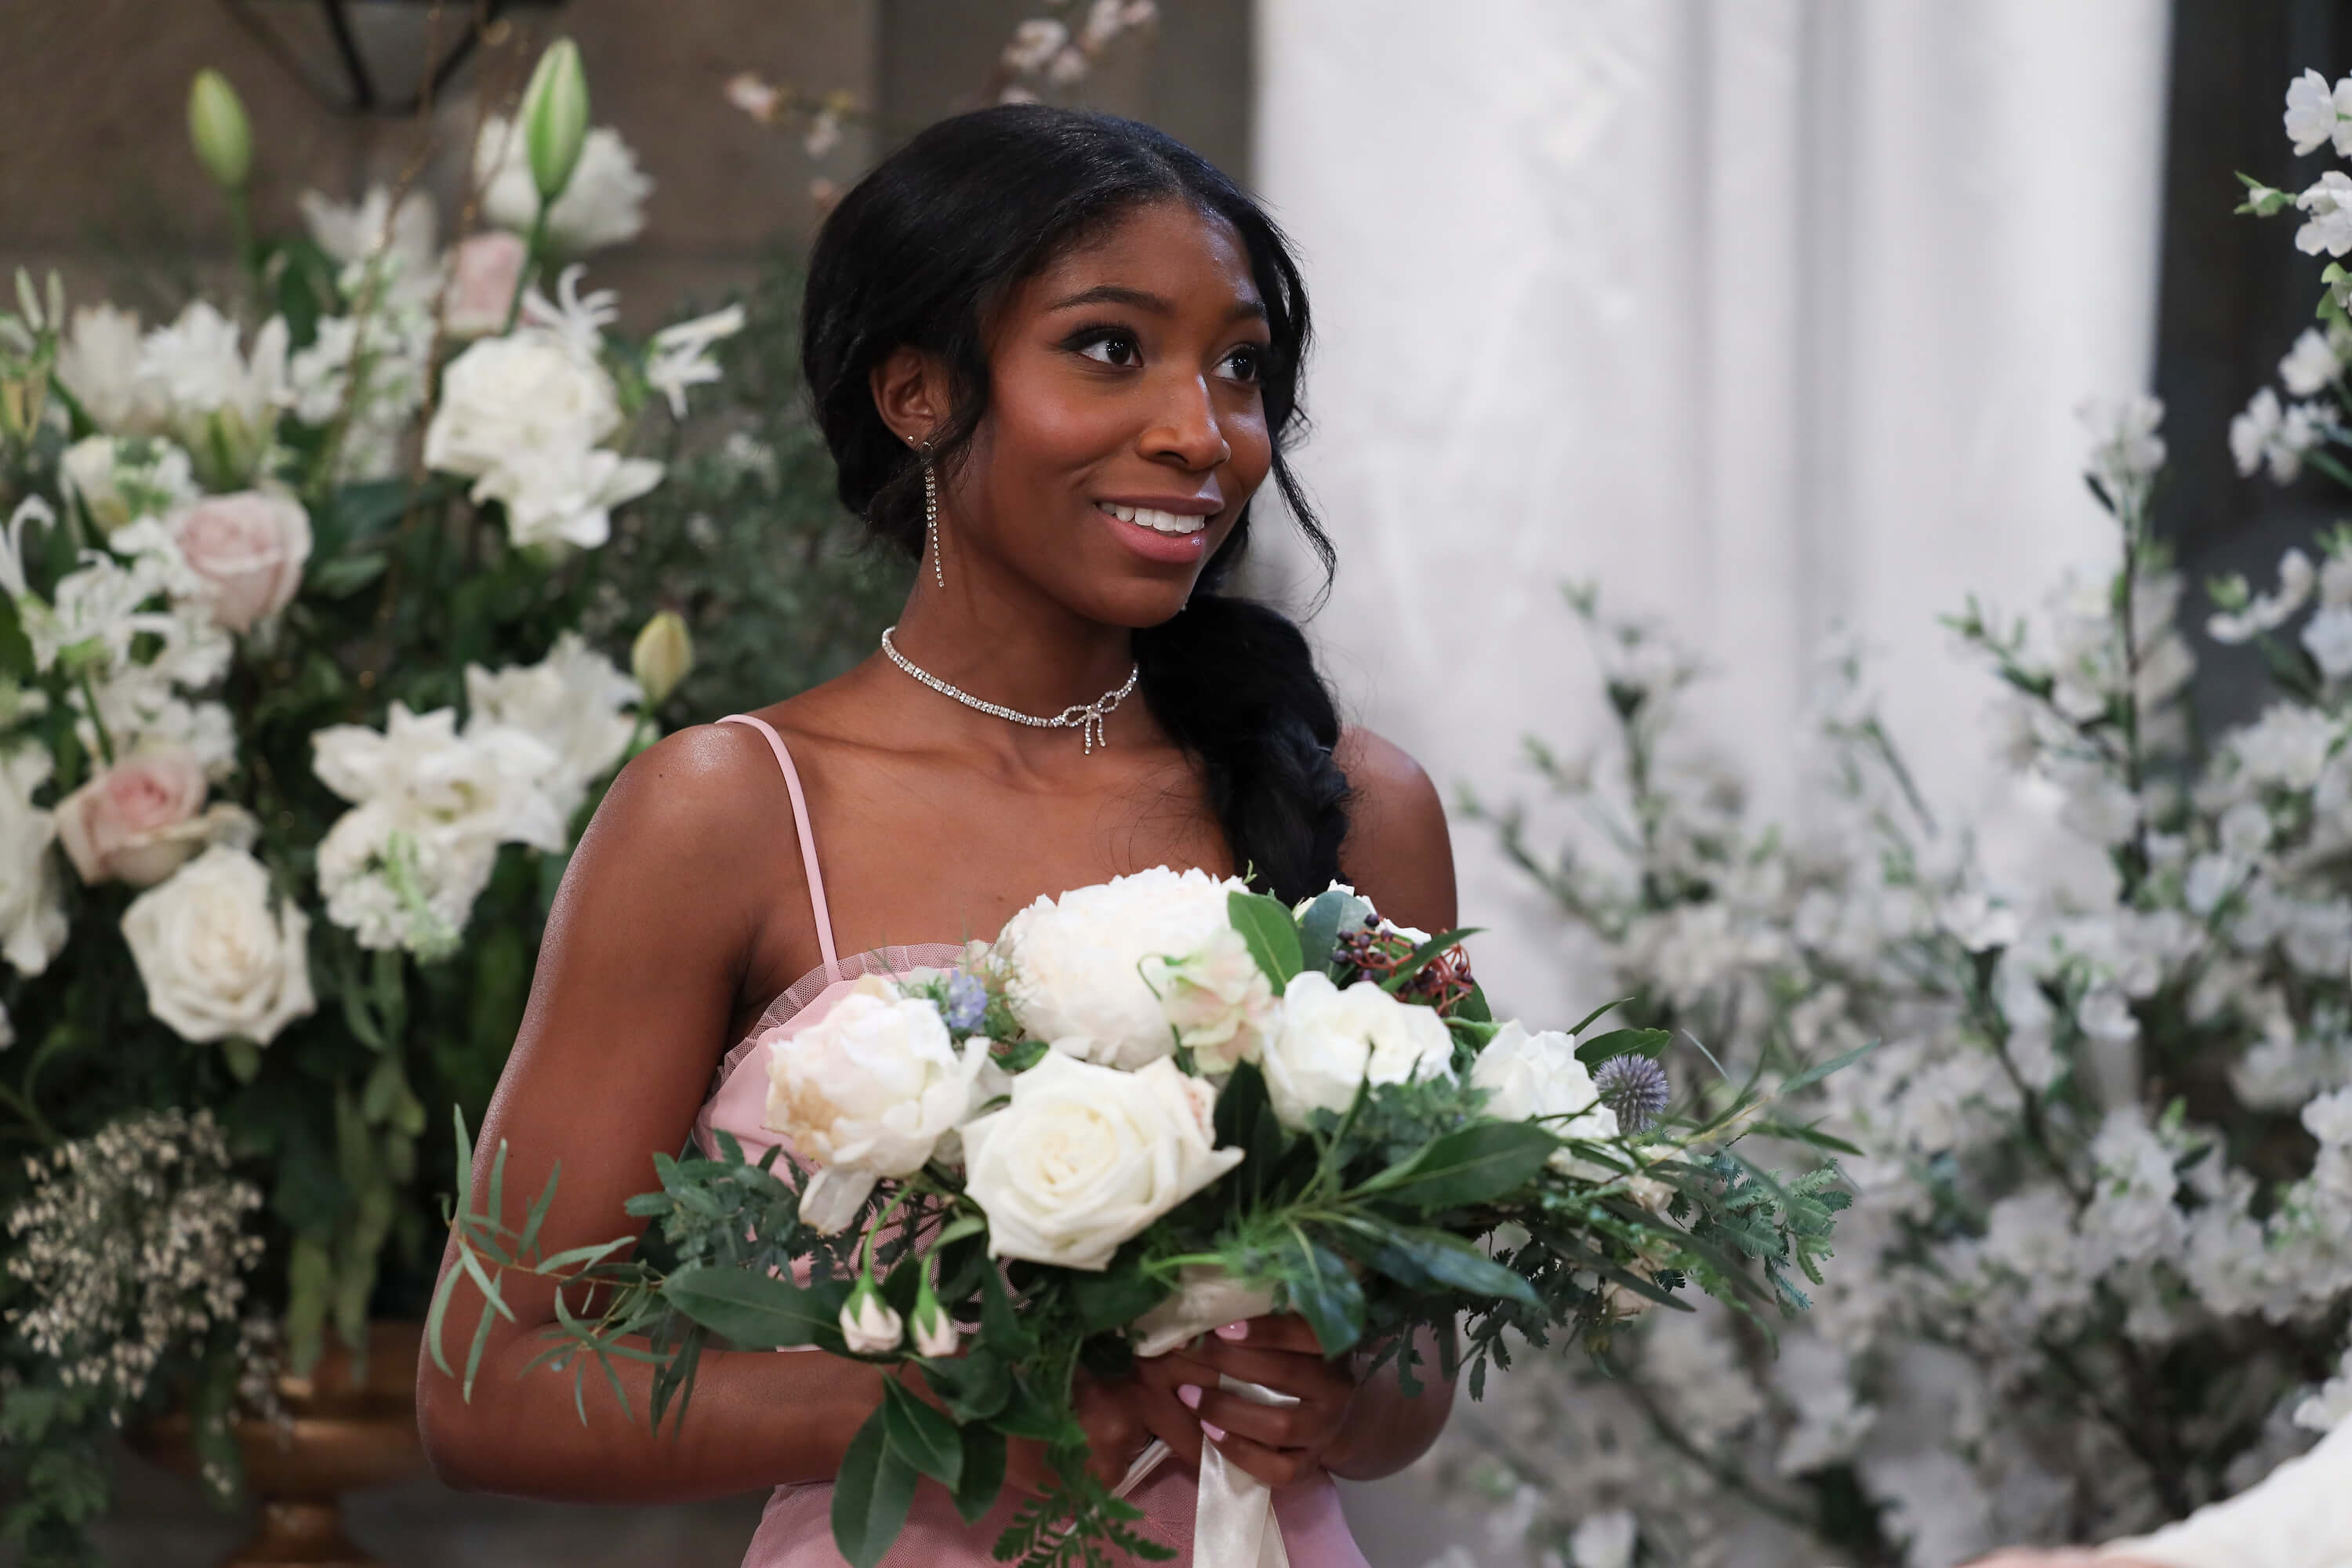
(1245, 362)
(1113, 348)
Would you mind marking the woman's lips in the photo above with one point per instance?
(1167, 537)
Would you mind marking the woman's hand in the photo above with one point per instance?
(1281, 1444)
(1117, 1418)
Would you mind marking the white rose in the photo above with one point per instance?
(1331, 1041)
(217, 961)
(869, 1324)
(1085, 1156)
(118, 477)
(140, 821)
(248, 550)
(485, 271)
(1077, 970)
(866, 1091)
(572, 702)
(521, 415)
(604, 204)
(1220, 1002)
(1537, 1076)
(32, 908)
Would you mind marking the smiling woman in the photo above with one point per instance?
(1055, 356)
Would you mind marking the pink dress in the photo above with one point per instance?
(796, 1531)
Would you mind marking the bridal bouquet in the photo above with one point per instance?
(1150, 1108)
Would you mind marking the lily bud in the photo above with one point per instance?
(662, 656)
(217, 125)
(868, 1323)
(555, 119)
(935, 1332)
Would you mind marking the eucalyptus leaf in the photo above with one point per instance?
(754, 1310)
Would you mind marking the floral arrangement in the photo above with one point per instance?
(2099, 1267)
(291, 686)
(1150, 1108)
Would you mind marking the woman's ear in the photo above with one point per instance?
(910, 393)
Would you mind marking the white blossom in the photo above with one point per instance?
(2278, 436)
(2329, 227)
(2314, 361)
(603, 205)
(2317, 114)
(574, 702)
(2266, 612)
(679, 355)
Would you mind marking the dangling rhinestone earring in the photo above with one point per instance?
(932, 512)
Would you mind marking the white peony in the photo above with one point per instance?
(1085, 1156)
(1330, 1042)
(98, 362)
(604, 204)
(521, 416)
(430, 808)
(1537, 1078)
(218, 963)
(118, 477)
(32, 908)
(574, 702)
(864, 1092)
(1081, 969)
(1220, 1003)
(224, 402)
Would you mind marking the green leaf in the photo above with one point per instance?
(1435, 1259)
(1271, 935)
(973, 1386)
(1586, 1022)
(346, 575)
(1001, 1329)
(1117, 1295)
(1813, 1074)
(1649, 1042)
(1026, 1413)
(871, 1495)
(756, 1311)
(983, 1472)
(1244, 1120)
(1806, 1135)
(1330, 913)
(920, 1434)
(1474, 1008)
(1321, 1290)
(1474, 1164)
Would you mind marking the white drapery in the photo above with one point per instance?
(1770, 315)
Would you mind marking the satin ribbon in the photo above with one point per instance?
(1233, 1523)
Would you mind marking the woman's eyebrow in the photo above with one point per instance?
(1143, 299)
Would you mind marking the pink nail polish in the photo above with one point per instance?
(1190, 1395)
(1234, 1332)
(1213, 1432)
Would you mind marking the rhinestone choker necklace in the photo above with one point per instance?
(1087, 718)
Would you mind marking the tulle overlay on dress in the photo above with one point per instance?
(796, 1531)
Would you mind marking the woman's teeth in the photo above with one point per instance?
(1158, 521)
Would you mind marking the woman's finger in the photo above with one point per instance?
(1276, 1467)
(1278, 1331)
(1274, 1426)
(1167, 1417)
(1306, 1377)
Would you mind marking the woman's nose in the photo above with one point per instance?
(1187, 430)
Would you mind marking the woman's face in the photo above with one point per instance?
(1126, 428)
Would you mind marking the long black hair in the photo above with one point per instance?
(919, 254)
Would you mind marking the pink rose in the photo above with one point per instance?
(249, 549)
(483, 271)
(138, 820)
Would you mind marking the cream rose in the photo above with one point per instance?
(866, 1091)
(1332, 1041)
(1537, 1078)
(1220, 1003)
(1085, 1156)
(248, 550)
(216, 960)
(1085, 970)
(140, 821)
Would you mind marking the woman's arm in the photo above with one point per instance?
(636, 995)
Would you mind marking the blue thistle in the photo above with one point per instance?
(1636, 1087)
(967, 1003)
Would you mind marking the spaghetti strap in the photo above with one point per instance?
(807, 837)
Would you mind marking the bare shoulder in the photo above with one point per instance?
(1398, 852)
